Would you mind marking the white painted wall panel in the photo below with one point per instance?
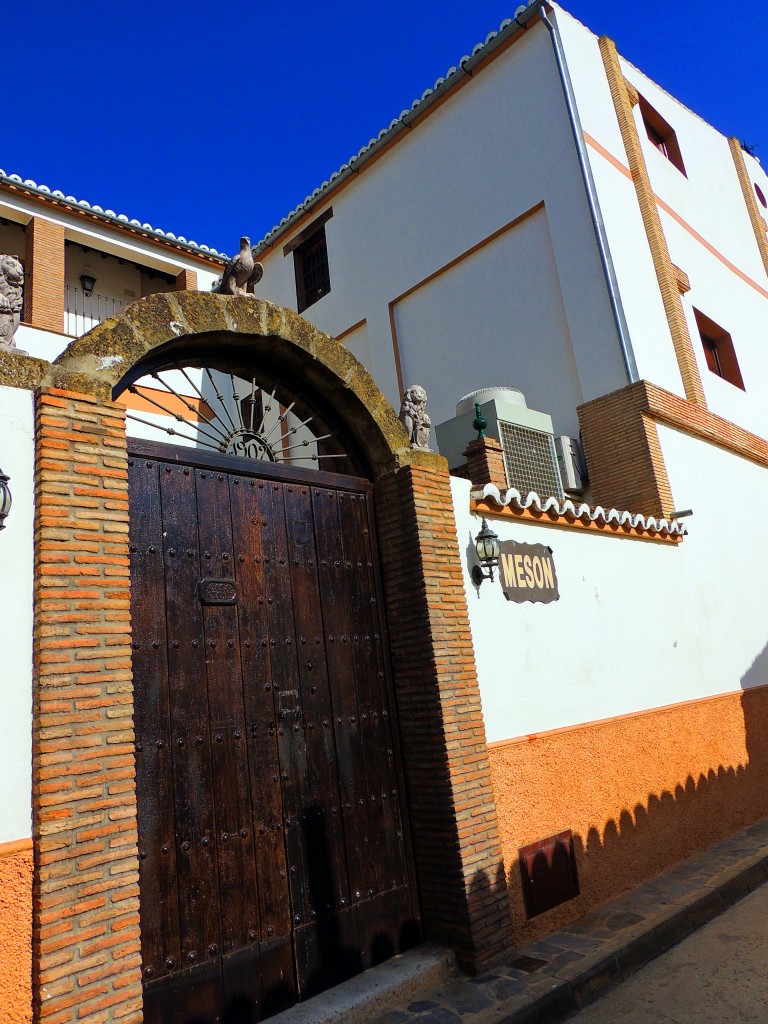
(513, 332)
(357, 343)
(500, 145)
(739, 308)
(638, 625)
(640, 296)
(16, 567)
(708, 196)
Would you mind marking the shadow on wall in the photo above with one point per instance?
(557, 782)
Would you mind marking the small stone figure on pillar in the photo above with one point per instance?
(413, 416)
(11, 299)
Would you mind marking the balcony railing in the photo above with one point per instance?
(82, 312)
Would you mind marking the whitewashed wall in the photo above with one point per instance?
(501, 145)
(16, 566)
(638, 625)
(708, 233)
(522, 328)
(640, 296)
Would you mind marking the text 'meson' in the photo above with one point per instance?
(527, 572)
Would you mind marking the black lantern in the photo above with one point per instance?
(88, 283)
(5, 498)
(488, 549)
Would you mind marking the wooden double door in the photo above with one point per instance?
(273, 848)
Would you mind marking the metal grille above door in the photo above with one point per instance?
(274, 854)
(218, 405)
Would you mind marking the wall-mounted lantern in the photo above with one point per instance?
(488, 549)
(5, 498)
(88, 283)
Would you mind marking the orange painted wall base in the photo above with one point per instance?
(16, 932)
(641, 793)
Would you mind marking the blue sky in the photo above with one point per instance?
(213, 124)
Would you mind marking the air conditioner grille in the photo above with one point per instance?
(530, 460)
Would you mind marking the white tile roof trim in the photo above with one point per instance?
(454, 74)
(598, 514)
(109, 215)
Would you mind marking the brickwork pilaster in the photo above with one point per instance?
(44, 275)
(186, 281)
(462, 886)
(623, 453)
(485, 462)
(755, 218)
(86, 908)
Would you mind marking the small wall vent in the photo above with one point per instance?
(548, 873)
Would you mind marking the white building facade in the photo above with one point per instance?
(545, 218)
(548, 218)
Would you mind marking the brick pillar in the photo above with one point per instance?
(86, 906)
(462, 885)
(485, 463)
(186, 281)
(623, 453)
(44, 275)
(747, 191)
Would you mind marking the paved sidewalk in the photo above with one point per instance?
(548, 980)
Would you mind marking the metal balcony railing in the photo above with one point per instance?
(82, 312)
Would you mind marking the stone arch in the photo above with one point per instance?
(101, 359)
(82, 519)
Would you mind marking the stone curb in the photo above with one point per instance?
(362, 999)
(609, 969)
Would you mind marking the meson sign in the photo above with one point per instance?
(527, 572)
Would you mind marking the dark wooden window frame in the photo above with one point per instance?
(310, 262)
(718, 350)
(661, 134)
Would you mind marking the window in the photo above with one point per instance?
(311, 265)
(310, 262)
(661, 134)
(718, 350)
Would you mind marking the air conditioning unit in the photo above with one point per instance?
(526, 436)
(573, 467)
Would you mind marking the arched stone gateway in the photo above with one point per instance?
(292, 633)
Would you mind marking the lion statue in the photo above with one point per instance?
(414, 417)
(11, 299)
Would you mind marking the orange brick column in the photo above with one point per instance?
(85, 920)
(186, 281)
(485, 462)
(462, 886)
(756, 220)
(44, 275)
(623, 453)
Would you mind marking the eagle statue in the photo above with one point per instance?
(241, 273)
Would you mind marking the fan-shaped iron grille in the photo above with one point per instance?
(232, 411)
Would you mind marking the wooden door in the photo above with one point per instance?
(273, 850)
